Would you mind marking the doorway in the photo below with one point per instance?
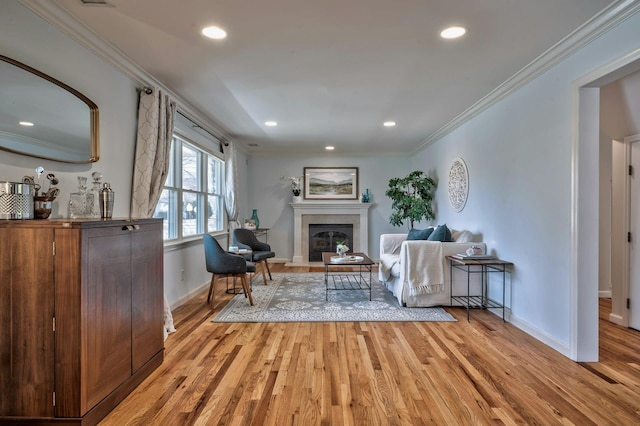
(633, 208)
(591, 131)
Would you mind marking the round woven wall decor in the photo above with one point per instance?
(458, 184)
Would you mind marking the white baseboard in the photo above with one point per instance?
(617, 319)
(604, 294)
(540, 335)
(184, 299)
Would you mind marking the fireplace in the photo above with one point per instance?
(324, 237)
(331, 213)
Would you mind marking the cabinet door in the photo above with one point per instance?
(148, 293)
(106, 313)
(26, 322)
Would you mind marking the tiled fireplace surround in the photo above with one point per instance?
(328, 212)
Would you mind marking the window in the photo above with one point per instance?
(191, 202)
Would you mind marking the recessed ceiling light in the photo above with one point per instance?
(26, 123)
(389, 123)
(453, 32)
(329, 148)
(214, 32)
(271, 123)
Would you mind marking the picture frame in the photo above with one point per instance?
(330, 183)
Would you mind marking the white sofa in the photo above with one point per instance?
(396, 273)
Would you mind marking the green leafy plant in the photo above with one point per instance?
(411, 198)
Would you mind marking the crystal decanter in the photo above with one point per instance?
(81, 202)
(95, 193)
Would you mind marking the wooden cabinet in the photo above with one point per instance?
(81, 305)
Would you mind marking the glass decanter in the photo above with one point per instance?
(80, 202)
(95, 194)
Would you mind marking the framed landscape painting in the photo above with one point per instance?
(331, 183)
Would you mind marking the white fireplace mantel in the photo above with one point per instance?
(324, 212)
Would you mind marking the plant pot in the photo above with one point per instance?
(42, 207)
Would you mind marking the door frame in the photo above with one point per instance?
(585, 91)
(626, 218)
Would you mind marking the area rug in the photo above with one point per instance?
(300, 297)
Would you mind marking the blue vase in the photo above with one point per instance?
(255, 219)
(366, 197)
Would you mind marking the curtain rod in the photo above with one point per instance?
(222, 141)
(149, 90)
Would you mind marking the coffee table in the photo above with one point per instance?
(346, 273)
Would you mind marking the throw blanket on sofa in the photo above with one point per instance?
(423, 271)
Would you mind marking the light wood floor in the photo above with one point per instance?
(397, 373)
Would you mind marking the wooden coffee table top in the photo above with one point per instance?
(326, 259)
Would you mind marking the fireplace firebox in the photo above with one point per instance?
(324, 237)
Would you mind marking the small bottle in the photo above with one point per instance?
(106, 201)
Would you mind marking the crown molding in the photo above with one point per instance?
(592, 29)
(60, 18)
(583, 35)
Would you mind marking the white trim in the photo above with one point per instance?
(626, 219)
(573, 255)
(592, 79)
(590, 30)
(617, 319)
(604, 294)
(57, 16)
(190, 295)
(335, 208)
(540, 335)
(595, 27)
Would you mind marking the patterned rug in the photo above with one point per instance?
(300, 297)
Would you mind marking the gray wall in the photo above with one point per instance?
(271, 195)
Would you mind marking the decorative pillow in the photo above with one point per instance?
(461, 236)
(441, 233)
(419, 234)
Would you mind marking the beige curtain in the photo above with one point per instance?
(231, 184)
(156, 113)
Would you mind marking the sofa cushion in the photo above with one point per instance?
(419, 234)
(461, 236)
(441, 233)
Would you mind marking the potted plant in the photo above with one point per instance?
(411, 198)
(296, 186)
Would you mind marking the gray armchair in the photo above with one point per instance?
(221, 263)
(246, 239)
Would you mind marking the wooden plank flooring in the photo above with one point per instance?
(376, 373)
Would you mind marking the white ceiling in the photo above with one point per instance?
(331, 71)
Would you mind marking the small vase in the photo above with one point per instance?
(341, 254)
(255, 219)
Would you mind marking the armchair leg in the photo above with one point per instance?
(211, 292)
(267, 265)
(264, 277)
(247, 289)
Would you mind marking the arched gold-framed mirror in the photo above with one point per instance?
(45, 118)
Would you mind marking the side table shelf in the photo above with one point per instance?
(483, 267)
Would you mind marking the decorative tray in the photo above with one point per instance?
(346, 259)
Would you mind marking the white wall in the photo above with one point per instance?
(519, 157)
(27, 38)
(271, 195)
